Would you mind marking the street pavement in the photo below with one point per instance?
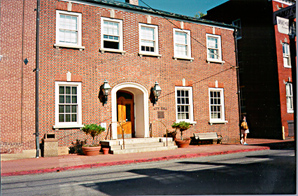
(74, 161)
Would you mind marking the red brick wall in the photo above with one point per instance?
(92, 67)
(17, 80)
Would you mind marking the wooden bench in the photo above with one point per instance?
(208, 136)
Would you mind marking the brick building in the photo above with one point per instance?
(264, 58)
(85, 42)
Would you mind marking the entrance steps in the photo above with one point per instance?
(135, 145)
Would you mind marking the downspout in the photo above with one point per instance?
(238, 75)
(37, 81)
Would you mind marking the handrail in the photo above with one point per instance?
(122, 133)
(166, 129)
(150, 129)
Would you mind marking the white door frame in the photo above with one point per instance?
(141, 109)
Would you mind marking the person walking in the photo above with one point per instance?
(244, 130)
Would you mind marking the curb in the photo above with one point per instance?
(95, 165)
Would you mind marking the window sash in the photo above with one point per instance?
(68, 28)
(286, 54)
(184, 104)
(68, 104)
(111, 34)
(289, 97)
(148, 39)
(216, 105)
(182, 44)
(214, 48)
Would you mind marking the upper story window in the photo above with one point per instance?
(216, 104)
(237, 23)
(148, 39)
(286, 55)
(184, 104)
(182, 48)
(68, 105)
(289, 96)
(111, 34)
(214, 48)
(68, 29)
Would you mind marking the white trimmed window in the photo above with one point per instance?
(214, 48)
(111, 34)
(184, 104)
(286, 54)
(216, 104)
(289, 95)
(68, 105)
(68, 29)
(182, 48)
(148, 39)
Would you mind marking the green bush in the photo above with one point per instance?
(182, 126)
(93, 130)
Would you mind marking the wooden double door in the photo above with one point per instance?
(125, 115)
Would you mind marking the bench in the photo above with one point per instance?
(208, 136)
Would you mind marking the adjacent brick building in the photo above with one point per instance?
(265, 65)
(85, 42)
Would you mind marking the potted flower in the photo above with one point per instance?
(182, 126)
(93, 130)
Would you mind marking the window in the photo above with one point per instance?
(184, 104)
(148, 39)
(214, 48)
(68, 105)
(111, 34)
(68, 29)
(286, 54)
(237, 23)
(216, 103)
(289, 95)
(182, 49)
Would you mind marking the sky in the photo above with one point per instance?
(184, 7)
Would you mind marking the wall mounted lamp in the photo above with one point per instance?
(105, 89)
(156, 91)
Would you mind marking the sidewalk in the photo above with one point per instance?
(73, 161)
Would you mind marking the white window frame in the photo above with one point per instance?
(77, 124)
(286, 54)
(190, 96)
(78, 45)
(219, 59)
(120, 49)
(289, 97)
(188, 45)
(222, 106)
(155, 40)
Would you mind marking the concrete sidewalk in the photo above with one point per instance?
(73, 161)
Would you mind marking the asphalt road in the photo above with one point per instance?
(260, 172)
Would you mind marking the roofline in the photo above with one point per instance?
(152, 11)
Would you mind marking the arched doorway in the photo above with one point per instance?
(139, 108)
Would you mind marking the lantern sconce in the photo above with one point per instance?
(156, 91)
(105, 91)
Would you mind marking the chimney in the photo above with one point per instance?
(133, 2)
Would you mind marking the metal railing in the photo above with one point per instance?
(150, 128)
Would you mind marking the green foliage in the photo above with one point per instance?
(93, 130)
(182, 126)
(199, 15)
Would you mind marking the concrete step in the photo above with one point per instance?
(143, 145)
(126, 151)
(136, 145)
